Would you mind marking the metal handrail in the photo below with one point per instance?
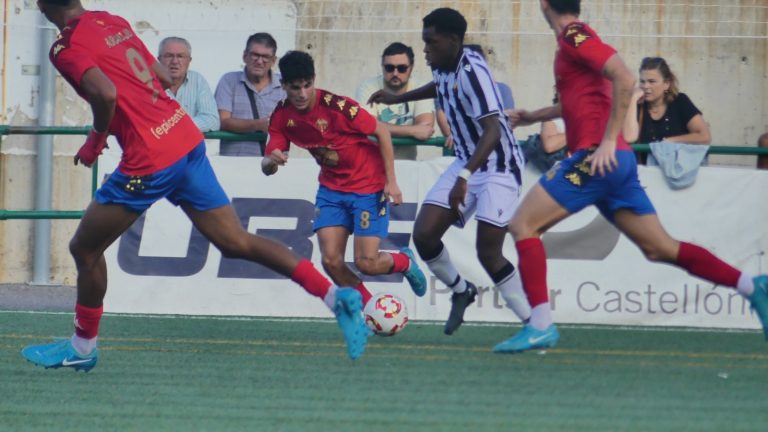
(256, 136)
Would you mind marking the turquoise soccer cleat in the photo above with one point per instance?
(414, 275)
(529, 338)
(759, 301)
(349, 314)
(58, 354)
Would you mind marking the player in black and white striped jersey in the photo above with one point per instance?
(484, 179)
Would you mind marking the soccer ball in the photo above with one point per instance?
(385, 314)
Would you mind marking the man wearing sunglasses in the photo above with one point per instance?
(408, 119)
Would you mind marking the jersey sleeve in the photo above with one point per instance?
(582, 44)
(72, 61)
(277, 139)
(479, 88)
(351, 117)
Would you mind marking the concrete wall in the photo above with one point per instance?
(719, 51)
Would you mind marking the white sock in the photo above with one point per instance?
(330, 298)
(442, 267)
(511, 290)
(83, 346)
(541, 316)
(745, 286)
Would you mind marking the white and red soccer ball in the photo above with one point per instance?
(385, 314)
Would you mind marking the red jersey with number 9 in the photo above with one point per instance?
(153, 130)
(585, 94)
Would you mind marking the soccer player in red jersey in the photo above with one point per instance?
(357, 175)
(595, 87)
(163, 157)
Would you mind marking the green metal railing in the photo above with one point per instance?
(257, 136)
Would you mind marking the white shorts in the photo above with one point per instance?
(492, 197)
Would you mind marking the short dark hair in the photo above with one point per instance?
(446, 21)
(566, 6)
(262, 38)
(296, 65)
(396, 48)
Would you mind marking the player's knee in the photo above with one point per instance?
(424, 242)
(521, 230)
(333, 263)
(367, 265)
(658, 253)
(80, 253)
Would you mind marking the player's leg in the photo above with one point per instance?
(333, 245)
(206, 204)
(497, 200)
(537, 212)
(223, 229)
(489, 244)
(646, 231)
(100, 226)
(433, 220)
(371, 224)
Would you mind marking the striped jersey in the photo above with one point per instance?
(466, 95)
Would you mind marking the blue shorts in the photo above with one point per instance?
(190, 180)
(571, 185)
(361, 214)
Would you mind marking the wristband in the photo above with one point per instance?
(465, 173)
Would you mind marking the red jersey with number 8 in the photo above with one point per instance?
(153, 130)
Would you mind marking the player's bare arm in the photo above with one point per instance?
(631, 128)
(427, 91)
(623, 81)
(101, 94)
(488, 141)
(520, 117)
(391, 189)
(162, 74)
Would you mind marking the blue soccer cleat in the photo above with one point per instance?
(58, 354)
(759, 301)
(349, 314)
(529, 338)
(414, 275)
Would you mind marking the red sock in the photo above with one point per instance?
(87, 321)
(702, 263)
(400, 262)
(533, 270)
(364, 292)
(306, 275)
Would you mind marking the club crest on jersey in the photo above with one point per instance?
(290, 123)
(322, 125)
(576, 35)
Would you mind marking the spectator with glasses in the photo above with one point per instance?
(408, 119)
(246, 98)
(660, 112)
(189, 88)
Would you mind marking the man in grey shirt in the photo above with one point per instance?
(247, 98)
